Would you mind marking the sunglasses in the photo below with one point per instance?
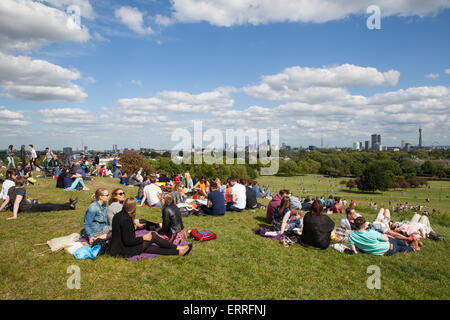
(120, 193)
(105, 195)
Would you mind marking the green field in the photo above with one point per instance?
(237, 265)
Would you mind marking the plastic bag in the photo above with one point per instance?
(72, 247)
(87, 252)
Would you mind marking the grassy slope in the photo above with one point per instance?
(237, 265)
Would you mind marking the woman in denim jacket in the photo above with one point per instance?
(96, 217)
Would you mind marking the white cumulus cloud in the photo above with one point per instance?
(24, 78)
(27, 25)
(133, 19)
(226, 13)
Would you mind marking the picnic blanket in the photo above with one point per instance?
(140, 233)
(276, 235)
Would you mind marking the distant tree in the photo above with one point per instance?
(131, 161)
(429, 168)
(351, 184)
(375, 178)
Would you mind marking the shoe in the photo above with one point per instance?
(73, 202)
(189, 250)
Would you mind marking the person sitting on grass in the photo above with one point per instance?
(238, 196)
(373, 242)
(216, 201)
(188, 182)
(17, 196)
(317, 227)
(53, 165)
(172, 228)
(73, 180)
(124, 242)
(257, 189)
(250, 197)
(202, 186)
(152, 194)
(115, 204)
(274, 203)
(11, 175)
(116, 167)
(24, 171)
(337, 206)
(348, 222)
(179, 194)
(96, 217)
(285, 219)
(102, 171)
(134, 179)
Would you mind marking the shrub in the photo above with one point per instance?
(131, 161)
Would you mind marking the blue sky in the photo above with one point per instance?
(137, 70)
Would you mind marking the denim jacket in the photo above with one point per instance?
(95, 218)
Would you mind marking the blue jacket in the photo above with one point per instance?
(258, 191)
(95, 218)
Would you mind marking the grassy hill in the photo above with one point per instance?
(237, 265)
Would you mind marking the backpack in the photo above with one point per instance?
(202, 235)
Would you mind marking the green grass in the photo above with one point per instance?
(237, 265)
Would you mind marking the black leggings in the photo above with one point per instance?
(43, 207)
(165, 248)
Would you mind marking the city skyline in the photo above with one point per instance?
(103, 73)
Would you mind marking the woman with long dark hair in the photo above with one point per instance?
(202, 186)
(115, 204)
(124, 242)
(285, 218)
(317, 227)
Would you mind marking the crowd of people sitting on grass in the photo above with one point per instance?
(113, 219)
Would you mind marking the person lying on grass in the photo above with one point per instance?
(373, 242)
(380, 224)
(18, 197)
(124, 242)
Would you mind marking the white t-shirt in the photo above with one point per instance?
(5, 187)
(240, 192)
(151, 193)
(33, 153)
(345, 223)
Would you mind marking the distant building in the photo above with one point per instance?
(366, 145)
(403, 144)
(376, 141)
(355, 146)
(67, 151)
(407, 146)
(420, 137)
